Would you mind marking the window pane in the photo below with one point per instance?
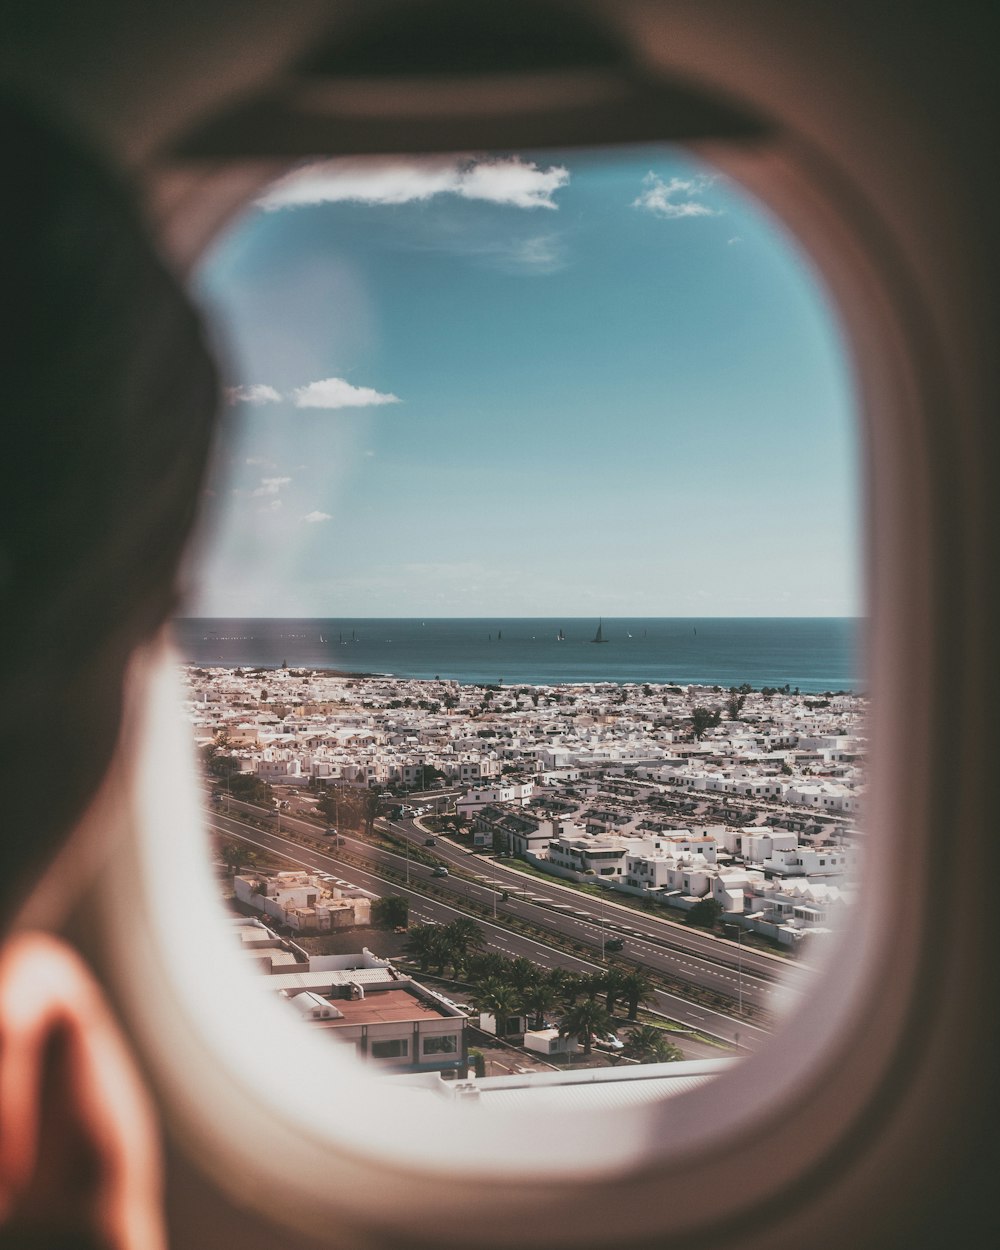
(522, 642)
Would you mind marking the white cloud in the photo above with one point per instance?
(512, 181)
(255, 393)
(314, 518)
(737, 238)
(676, 198)
(401, 180)
(271, 485)
(336, 393)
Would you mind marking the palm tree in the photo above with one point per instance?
(540, 998)
(649, 1044)
(615, 980)
(500, 1000)
(584, 1020)
(236, 855)
(425, 944)
(593, 984)
(567, 985)
(522, 973)
(636, 987)
(461, 937)
(391, 912)
(487, 964)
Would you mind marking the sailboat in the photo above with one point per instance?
(499, 635)
(560, 637)
(321, 638)
(599, 636)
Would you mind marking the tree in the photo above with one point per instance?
(568, 985)
(637, 988)
(499, 1000)
(594, 984)
(425, 944)
(583, 1020)
(429, 775)
(649, 1044)
(615, 980)
(703, 718)
(349, 807)
(522, 974)
(329, 805)
(392, 912)
(705, 913)
(236, 855)
(217, 759)
(486, 965)
(462, 937)
(249, 788)
(540, 998)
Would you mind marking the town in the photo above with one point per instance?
(748, 796)
(731, 811)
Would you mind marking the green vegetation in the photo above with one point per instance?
(440, 946)
(583, 1020)
(650, 1044)
(391, 912)
(704, 914)
(702, 719)
(221, 766)
(349, 807)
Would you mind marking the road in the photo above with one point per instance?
(616, 917)
(728, 1028)
(641, 930)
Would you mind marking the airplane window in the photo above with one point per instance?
(521, 652)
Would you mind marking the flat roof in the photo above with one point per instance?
(388, 1006)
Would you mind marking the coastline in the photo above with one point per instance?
(814, 655)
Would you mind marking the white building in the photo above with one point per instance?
(306, 902)
(515, 794)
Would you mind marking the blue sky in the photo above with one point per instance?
(528, 384)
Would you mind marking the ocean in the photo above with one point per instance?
(815, 654)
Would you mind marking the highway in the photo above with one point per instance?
(714, 1023)
(703, 958)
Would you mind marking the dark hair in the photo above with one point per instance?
(109, 396)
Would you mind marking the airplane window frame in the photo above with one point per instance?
(830, 1075)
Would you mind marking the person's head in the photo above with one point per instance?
(108, 396)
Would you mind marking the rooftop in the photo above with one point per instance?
(386, 1007)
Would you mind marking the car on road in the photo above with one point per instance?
(440, 871)
(430, 841)
(614, 944)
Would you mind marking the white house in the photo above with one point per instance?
(517, 794)
(303, 901)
